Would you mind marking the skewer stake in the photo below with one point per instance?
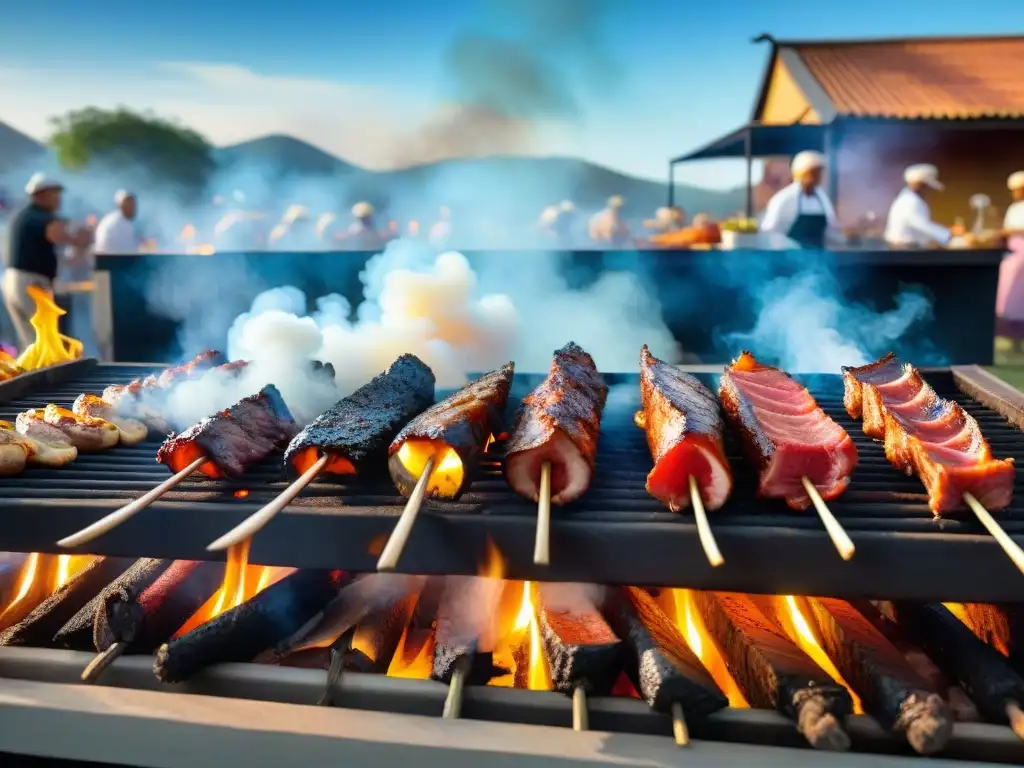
(835, 530)
(102, 661)
(114, 519)
(453, 701)
(679, 728)
(580, 716)
(542, 545)
(255, 522)
(400, 535)
(1010, 547)
(1016, 717)
(707, 538)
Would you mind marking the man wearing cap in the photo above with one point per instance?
(910, 219)
(116, 231)
(33, 236)
(1010, 297)
(802, 211)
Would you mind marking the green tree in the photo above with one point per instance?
(130, 141)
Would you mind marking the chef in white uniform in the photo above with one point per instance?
(802, 211)
(116, 231)
(910, 219)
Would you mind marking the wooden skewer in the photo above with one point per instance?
(453, 701)
(255, 522)
(103, 660)
(1010, 547)
(114, 519)
(707, 538)
(580, 716)
(542, 545)
(679, 728)
(841, 540)
(400, 535)
(1016, 716)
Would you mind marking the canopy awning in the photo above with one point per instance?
(765, 141)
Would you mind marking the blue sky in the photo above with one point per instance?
(357, 78)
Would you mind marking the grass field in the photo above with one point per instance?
(1009, 364)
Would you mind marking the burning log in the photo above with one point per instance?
(772, 671)
(584, 655)
(138, 620)
(377, 636)
(663, 669)
(77, 634)
(983, 673)
(890, 689)
(1001, 626)
(47, 618)
(419, 633)
(241, 633)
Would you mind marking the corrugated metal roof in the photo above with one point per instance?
(965, 78)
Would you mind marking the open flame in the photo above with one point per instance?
(40, 576)
(50, 346)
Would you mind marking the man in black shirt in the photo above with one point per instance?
(33, 235)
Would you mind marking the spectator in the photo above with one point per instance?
(115, 233)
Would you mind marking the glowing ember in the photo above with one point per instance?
(50, 347)
(240, 494)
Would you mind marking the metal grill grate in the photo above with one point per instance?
(616, 533)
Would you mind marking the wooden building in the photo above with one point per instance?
(876, 106)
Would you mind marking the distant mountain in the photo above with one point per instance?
(16, 149)
(279, 155)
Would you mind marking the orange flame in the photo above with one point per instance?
(40, 576)
(240, 494)
(50, 346)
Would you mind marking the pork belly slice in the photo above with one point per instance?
(683, 423)
(785, 434)
(558, 423)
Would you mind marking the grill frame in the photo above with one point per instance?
(657, 549)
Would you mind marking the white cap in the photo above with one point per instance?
(566, 206)
(40, 182)
(121, 195)
(1016, 181)
(805, 161)
(924, 173)
(362, 210)
(615, 201)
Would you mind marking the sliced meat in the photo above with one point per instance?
(785, 434)
(558, 423)
(684, 427)
(356, 431)
(130, 431)
(36, 452)
(928, 436)
(455, 432)
(58, 425)
(14, 451)
(247, 432)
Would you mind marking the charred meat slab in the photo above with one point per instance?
(785, 434)
(662, 667)
(463, 630)
(248, 431)
(47, 618)
(77, 634)
(927, 436)
(558, 424)
(581, 649)
(685, 433)
(891, 691)
(356, 431)
(455, 433)
(242, 633)
(772, 672)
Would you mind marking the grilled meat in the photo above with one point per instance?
(785, 433)
(169, 376)
(247, 432)
(56, 425)
(130, 431)
(356, 431)
(455, 432)
(13, 453)
(684, 427)
(37, 452)
(928, 436)
(558, 423)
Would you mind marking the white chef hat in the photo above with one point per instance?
(40, 182)
(362, 210)
(924, 173)
(615, 201)
(805, 161)
(121, 195)
(1016, 181)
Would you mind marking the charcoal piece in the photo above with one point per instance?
(467, 605)
(77, 634)
(241, 633)
(376, 637)
(46, 620)
(772, 672)
(581, 649)
(890, 689)
(661, 666)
